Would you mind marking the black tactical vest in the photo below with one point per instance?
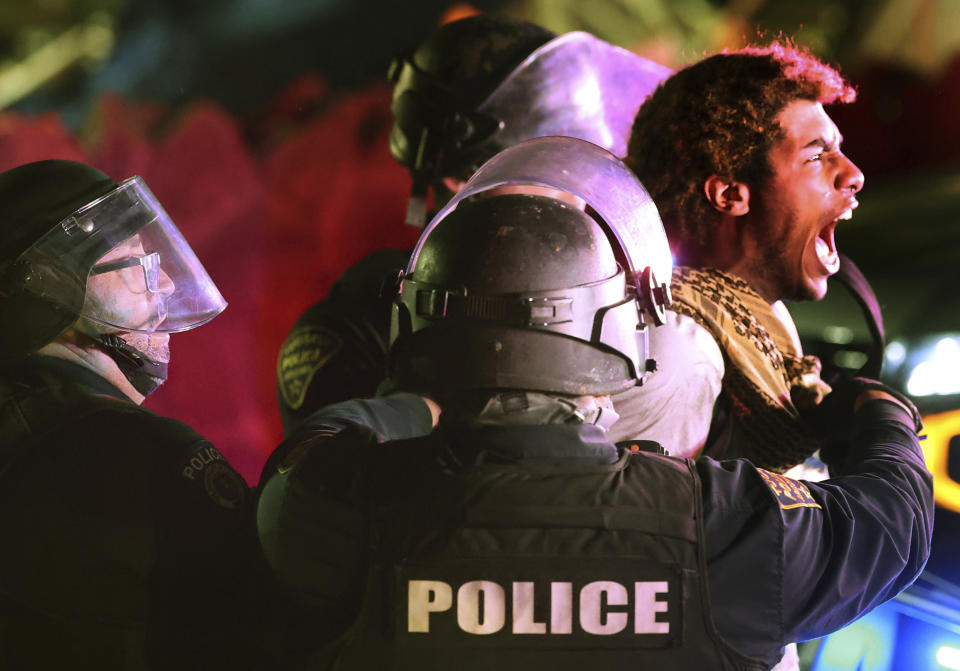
(534, 566)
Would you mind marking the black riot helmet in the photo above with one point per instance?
(481, 84)
(530, 282)
(68, 233)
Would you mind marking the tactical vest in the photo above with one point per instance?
(534, 566)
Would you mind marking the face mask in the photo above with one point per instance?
(596, 410)
(528, 408)
(140, 361)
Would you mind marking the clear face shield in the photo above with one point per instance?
(140, 273)
(575, 86)
(580, 172)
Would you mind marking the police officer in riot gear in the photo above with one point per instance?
(127, 541)
(514, 534)
(482, 84)
(472, 88)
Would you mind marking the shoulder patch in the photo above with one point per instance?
(223, 485)
(304, 352)
(790, 493)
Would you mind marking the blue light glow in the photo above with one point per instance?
(895, 352)
(939, 372)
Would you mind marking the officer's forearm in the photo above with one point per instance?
(395, 417)
(882, 508)
(885, 445)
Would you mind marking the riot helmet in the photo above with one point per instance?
(534, 279)
(482, 84)
(75, 245)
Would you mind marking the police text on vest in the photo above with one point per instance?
(603, 607)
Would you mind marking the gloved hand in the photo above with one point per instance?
(832, 419)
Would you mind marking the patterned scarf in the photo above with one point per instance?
(766, 377)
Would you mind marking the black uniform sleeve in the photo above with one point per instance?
(209, 577)
(313, 532)
(395, 417)
(312, 539)
(790, 560)
(873, 537)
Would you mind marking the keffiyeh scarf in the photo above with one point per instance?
(766, 380)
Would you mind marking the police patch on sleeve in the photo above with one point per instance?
(790, 493)
(305, 351)
(207, 468)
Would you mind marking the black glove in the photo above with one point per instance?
(832, 419)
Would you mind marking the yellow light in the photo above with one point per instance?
(940, 428)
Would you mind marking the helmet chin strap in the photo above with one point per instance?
(145, 374)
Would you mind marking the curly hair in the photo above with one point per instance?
(717, 117)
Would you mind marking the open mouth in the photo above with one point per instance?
(827, 248)
(826, 244)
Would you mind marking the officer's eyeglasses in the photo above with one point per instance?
(149, 263)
